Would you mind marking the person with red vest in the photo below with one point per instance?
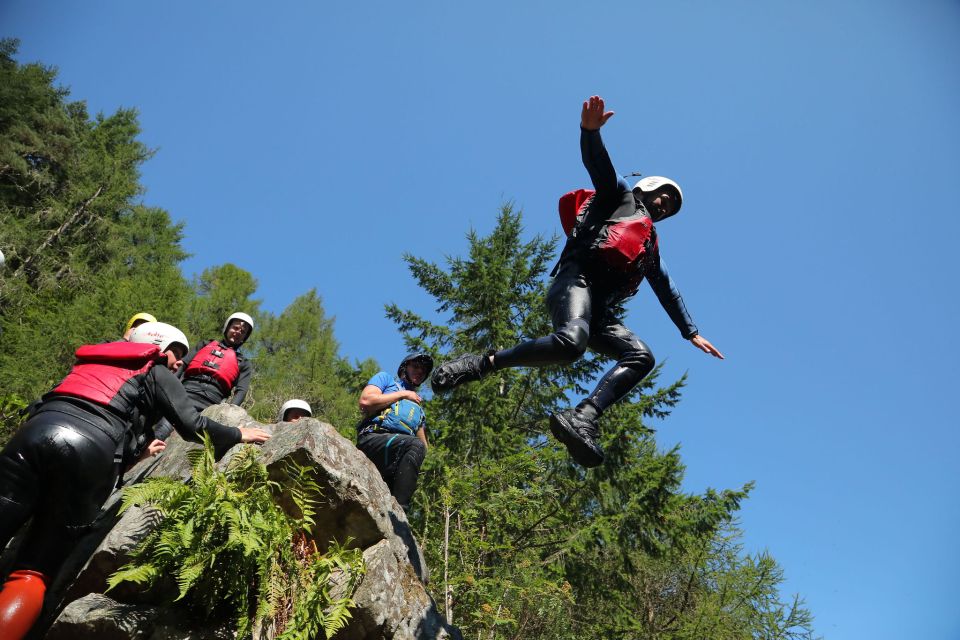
(61, 465)
(611, 247)
(216, 369)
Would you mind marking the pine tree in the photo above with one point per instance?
(524, 543)
(297, 356)
(83, 253)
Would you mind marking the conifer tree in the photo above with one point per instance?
(522, 542)
(297, 356)
(83, 253)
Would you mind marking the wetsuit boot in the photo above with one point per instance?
(577, 429)
(21, 601)
(467, 368)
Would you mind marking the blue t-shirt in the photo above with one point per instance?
(388, 384)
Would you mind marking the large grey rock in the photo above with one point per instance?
(357, 509)
(97, 616)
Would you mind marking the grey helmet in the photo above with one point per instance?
(423, 358)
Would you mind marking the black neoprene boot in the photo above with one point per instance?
(577, 429)
(467, 368)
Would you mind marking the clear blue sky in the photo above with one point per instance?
(817, 143)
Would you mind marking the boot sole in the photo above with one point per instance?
(577, 448)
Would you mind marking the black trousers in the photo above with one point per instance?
(582, 304)
(398, 458)
(58, 470)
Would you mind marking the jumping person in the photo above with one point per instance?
(596, 273)
(393, 430)
(59, 468)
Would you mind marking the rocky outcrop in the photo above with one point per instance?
(357, 506)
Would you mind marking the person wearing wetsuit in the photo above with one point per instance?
(393, 430)
(216, 369)
(591, 281)
(62, 464)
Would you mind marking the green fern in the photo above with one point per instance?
(234, 552)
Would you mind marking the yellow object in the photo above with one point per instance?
(144, 317)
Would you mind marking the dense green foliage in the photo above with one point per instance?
(231, 547)
(84, 254)
(521, 543)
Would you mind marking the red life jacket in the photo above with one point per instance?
(622, 244)
(217, 361)
(101, 369)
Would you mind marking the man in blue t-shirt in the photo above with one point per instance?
(393, 430)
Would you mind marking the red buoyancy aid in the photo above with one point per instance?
(217, 361)
(102, 369)
(621, 244)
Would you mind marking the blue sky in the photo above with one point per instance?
(817, 144)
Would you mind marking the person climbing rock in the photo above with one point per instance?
(392, 432)
(61, 465)
(611, 247)
(293, 410)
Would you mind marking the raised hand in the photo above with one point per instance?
(592, 117)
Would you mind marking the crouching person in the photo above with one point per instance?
(393, 430)
(59, 468)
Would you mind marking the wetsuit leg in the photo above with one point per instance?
(634, 362)
(570, 304)
(398, 458)
(73, 471)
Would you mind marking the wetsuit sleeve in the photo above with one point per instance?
(243, 382)
(598, 164)
(670, 299)
(170, 398)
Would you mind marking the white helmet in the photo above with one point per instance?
(653, 183)
(160, 334)
(239, 316)
(293, 404)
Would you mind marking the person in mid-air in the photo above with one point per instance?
(611, 247)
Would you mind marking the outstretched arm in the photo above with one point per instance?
(671, 301)
(594, 154)
(171, 398)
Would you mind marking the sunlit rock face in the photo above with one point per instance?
(391, 599)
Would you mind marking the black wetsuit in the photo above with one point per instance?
(64, 461)
(586, 292)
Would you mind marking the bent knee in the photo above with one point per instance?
(640, 360)
(571, 340)
(416, 450)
